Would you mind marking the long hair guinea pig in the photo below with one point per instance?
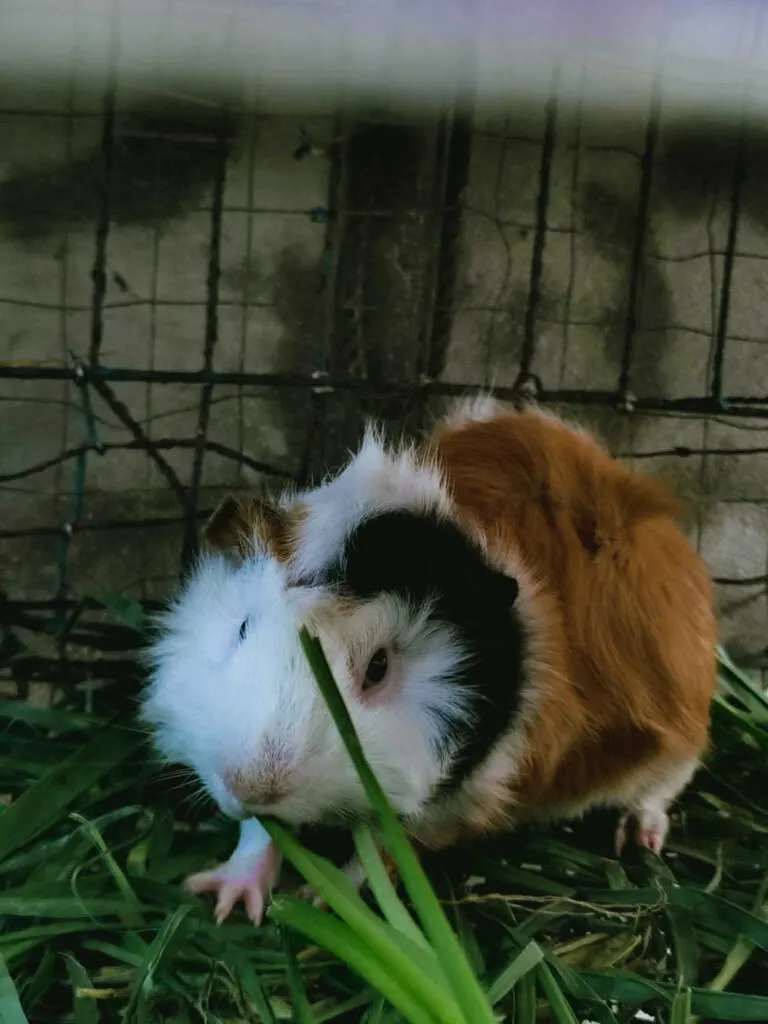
(516, 623)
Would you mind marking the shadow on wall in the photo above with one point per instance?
(693, 174)
(161, 164)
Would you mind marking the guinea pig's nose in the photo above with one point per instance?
(256, 788)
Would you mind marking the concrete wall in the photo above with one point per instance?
(290, 301)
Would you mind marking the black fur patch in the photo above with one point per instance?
(420, 557)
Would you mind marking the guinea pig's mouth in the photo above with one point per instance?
(342, 818)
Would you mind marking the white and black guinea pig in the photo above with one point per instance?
(516, 622)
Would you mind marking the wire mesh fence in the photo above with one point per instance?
(196, 302)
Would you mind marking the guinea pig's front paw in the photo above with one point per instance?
(309, 894)
(246, 878)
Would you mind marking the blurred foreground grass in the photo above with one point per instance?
(95, 927)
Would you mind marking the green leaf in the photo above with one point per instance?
(302, 1013)
(383, 889)
(631, 990)
(65, 907)
(743, 947)
(739, 685)
(40, 981)
(128, 610)
(85, 1010)
(680, 1012)
(336, 936)
(524, 962)
(11, 1011)
(55, 719)
(142, 987)
(131, 916)
(555, 996)
(253, 989)
(38, 935)
(61, 785)
(525, 1000)
(470, 996)
(416, 966)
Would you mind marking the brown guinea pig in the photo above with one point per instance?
(516, 623)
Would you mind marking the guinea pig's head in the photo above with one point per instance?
(418, 627)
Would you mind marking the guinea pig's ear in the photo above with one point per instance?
(243, 525)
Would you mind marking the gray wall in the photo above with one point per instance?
(365, 295)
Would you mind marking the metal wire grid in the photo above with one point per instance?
(350, 374)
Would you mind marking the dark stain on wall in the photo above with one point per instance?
(611, 223)
(161, 165)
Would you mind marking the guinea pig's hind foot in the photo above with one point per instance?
(246, 878)
(647, 827)
(646, 821)
(353, 870)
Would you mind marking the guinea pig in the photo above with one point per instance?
(516, 622)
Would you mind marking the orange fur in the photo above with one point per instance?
(241, 524)
(626, 662)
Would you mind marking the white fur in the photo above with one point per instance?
(477, 408)
(224, 706)
(483, 406)
(377, 478)
(218, 703)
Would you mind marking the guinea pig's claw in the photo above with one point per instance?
(228, 892)
(249, 880)
(648, 828)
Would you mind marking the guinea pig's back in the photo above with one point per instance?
(634, 626)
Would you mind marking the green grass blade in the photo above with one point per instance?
(742, 949)
(680, 1011)
(577, 987)
(254, 991)
(61, 785)
(681, 927)
(737, 957)
(377, 1013)
(524, 962)
(525, 1000)
(383, 889)
(561, 1009)
(470, 996)
(708, 907)
(64, 907)
(17, 943)
(360, 1001)
(337, 937)
(55, 719)
(11, 1011)
(40, 981)
(84, 1010)
(738, 683)
(631, 990)
(302, 1012)
(142, 986)
(127, 609)
(417, 967)
(132, 917)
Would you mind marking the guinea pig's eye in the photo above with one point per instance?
(243, 629)
(377, 669)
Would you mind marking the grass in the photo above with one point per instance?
(539, 926)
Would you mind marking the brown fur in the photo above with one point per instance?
(626, 667)
(241, 524)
